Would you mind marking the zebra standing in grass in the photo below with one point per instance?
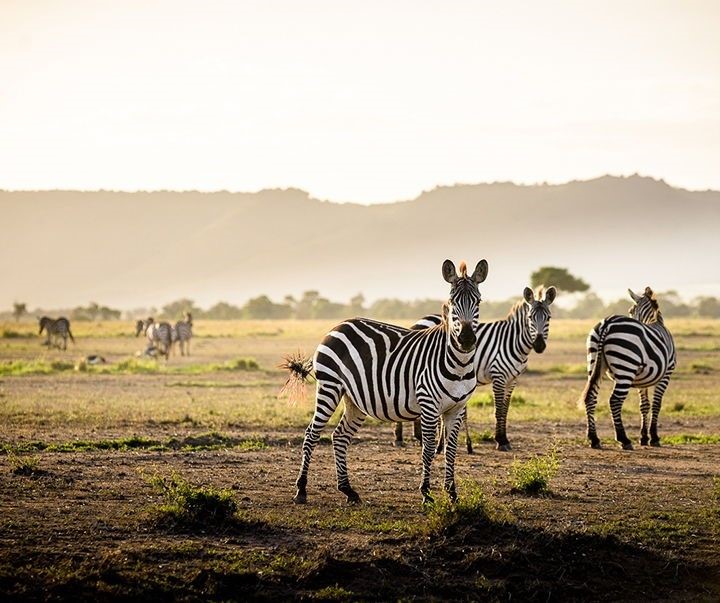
(159, 335)
(182, 333)
(395, 374)
(502, 351)
(56, 328)
(635, 351)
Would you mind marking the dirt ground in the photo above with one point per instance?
(618, 525)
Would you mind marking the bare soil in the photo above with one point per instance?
(618, 525)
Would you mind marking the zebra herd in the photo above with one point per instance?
(427, 373)
(161, 336)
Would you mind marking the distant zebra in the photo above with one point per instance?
(502, 353)
(392, 374)
(56, 328)
(159, 335)
(635, 351)
(182, 333)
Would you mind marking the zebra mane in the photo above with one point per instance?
(462, 267)
(516, 310)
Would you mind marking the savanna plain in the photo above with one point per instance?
(159, 480)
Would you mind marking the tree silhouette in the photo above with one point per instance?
(18, 310)
(559, 277)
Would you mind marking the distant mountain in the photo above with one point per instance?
(64, 248)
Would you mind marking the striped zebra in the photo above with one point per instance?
(635, 351)
(56, 328)
(182, 333)
(395, 374)
(159, 335)
(502, 352)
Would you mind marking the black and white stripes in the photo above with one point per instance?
(636, 351)
(182, 333)
(159, 335)
(396, 374)
(56, 329)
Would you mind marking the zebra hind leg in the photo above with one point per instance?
(326, 401)
(350, 422)
(656, 405)
(644, 409)
(399, 443)
(620, 392)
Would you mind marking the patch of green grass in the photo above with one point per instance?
(701, 368)
(533, 476)
(473, 506)
(567, 369)
(658, 527)
(187, 505)
(23, 465)
(333, 593)
(33, 367)
(482, 436)
(12, 334)
(221, 384)
(193, 443)
(486, 399)
(691, 438)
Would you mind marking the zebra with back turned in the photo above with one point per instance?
(55, 329)
(635, 351)
(182, 333)
(396, 374)
(502, 352)
(159, 335)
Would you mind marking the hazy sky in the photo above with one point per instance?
(365, 101)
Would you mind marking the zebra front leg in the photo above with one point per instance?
(590, 398)
(499, 387)
(350, 422)
(617, 398)
(656, 405)
(468, 440)
(327, 399)
(399, 435)
(451, 420)
(644, 409)
(429, 423)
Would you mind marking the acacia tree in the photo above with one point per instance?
(560, 278)
(19, 310)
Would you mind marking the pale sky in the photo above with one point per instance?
(356, 101)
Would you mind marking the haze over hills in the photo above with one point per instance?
(65, 248)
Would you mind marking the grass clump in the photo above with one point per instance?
(472, 507)
(187, 505)
(487, 399)
(691, 438)
(24, 465)
(239, 364)
(533, 476)
(333, 593)
(33, 367)
(12, 334)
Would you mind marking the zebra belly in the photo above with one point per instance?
(388, 409)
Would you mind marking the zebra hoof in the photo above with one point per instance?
(504, 447)
(655, 443)
(627, 446)
(399, 444)
(428, 498)
(300, 498)
(470, 450)
(352, 497)
(596, 445)
(643, 442)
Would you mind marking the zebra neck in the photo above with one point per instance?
(455, 358)
(522, 340)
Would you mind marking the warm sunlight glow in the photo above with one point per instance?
(364, 101)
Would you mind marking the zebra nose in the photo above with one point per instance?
(467, 336)
(539, 344)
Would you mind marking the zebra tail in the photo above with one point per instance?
(70, 335)
(597, 368)
(301, 370)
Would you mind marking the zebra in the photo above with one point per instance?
(395, 374)
(158, 334)
(182, 333)
(635, 351)
(501, 355)
(56, 328)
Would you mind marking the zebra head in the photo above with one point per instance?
(646, 307)
(538, 316)
(462, 310)
(142, 325)
(44, 323)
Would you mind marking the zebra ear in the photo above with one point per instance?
(550, 294)
(481, 271)
(448, 271)
(649, 293)
(528, 295)
(635, 298)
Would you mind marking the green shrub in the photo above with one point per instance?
(472, 506)
(23, 465)
(533, 476)
(188, 505)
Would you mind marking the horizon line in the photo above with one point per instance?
(519, 184)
